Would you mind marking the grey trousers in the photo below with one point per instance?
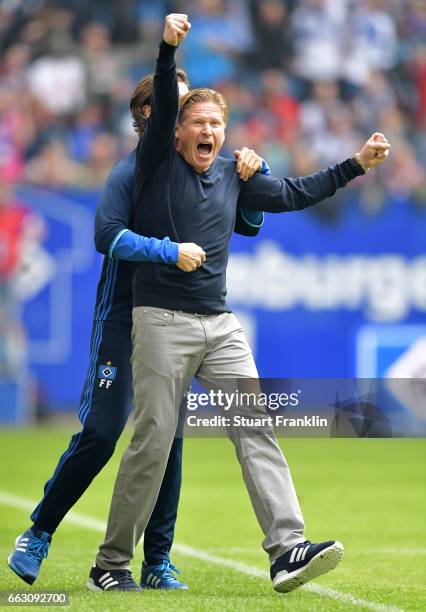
(169, 349)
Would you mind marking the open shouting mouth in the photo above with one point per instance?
(205, 148)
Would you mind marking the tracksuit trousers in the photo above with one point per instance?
(105, 405)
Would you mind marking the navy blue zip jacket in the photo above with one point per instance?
(171, 199)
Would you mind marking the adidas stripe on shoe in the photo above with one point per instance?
(161, 576)
(111, 580)
(305, 562)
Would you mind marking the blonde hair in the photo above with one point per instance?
(202, 94)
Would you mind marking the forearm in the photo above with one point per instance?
(285, 195)
(159, 133)
(129, 246)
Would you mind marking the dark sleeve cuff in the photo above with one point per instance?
(354, 167)
(253, 218)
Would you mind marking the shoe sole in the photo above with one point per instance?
(24, 577)
(323, 562)
(150, 588)
(92, 586)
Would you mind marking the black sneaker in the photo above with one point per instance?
(303, 563)
(111, 580)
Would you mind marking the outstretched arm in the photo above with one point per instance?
(285, 195)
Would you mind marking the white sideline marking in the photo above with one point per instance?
(394, 550)
(22, 503)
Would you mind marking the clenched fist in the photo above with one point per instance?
(176, 28)
(374, 152)
(190, 257)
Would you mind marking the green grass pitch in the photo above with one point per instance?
(370, 494)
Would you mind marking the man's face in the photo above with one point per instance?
(200, 135)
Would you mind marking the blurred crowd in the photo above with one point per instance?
(307, 81)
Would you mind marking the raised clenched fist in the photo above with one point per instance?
(176, 28)
(374, 152)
